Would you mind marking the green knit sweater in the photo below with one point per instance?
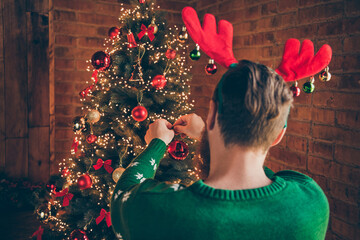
(292, 207)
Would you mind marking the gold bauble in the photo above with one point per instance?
(325, 76)
(93, 116)
(154, 25)
(117, 173)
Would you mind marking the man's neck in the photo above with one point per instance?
(237, 168)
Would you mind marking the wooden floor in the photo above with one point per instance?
(17, 224)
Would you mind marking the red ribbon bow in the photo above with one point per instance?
(148, 31)
(38, 233)
(74, 145)
(106, 215)
(67, 196)
(107, 165)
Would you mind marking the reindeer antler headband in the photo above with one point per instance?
(217, 44)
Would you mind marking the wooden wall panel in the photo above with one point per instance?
(17, 157)
(39, 149)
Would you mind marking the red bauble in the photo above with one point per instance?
(158, 82)
(178, 150)
(170, 53)
(296, 90)
(91, 138)
(101, 60)
(210, 68)
(139, 113)
(78, 234)
(114, 32)
(65, 172)
(84, 182)
(141, 1)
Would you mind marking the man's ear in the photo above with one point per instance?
(279, 137)
(210, 121)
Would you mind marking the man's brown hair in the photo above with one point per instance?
(254, 106)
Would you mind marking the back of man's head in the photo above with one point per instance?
(253, 103)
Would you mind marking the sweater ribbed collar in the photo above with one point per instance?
(276, 186)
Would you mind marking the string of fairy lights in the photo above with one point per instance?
(105, 82)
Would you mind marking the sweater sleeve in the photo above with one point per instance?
(143, 166)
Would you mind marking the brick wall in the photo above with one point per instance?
(323, 137)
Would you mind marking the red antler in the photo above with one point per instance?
(295, 65)
(216, 44)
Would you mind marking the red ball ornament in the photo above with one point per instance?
(178, 150)
(78, 234)
(158, 82)
(84, 182)
(101, 60)
(91, 138)
(211, 68)
(65, 172)
(295, 90)
(114, 32)
(141, 1)
(170, 53)
(139, 113)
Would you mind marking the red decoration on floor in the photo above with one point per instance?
(78, 235)
(147, 31)
(67, 196)
(84, 182)
(38, 233)
(158, 82)
(139, 113)
(106, 215)
(170, 54)
(106, 164)
(101, 60)
(131, 40)
(178, 150)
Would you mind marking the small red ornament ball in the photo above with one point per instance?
(159, 82)
(139, 113)
(91, 138)
(178, 150)
(210, 68)
(295, 90)
(101, 60)
(78, 234)
(84, 182)
(65, 172)
(170, 53)
(114, 32)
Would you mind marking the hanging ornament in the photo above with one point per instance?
(211, 68)
(136, 75)
(38, 233)
(93, 116)
(178, 150)
(131, 40)
(139, 113)
(183, 35)
(43, 212)
(146, 31)
(91, 138)
(117, 173)
(101, 61)
(106, 164)
(84, 181)
(295, 90)
(79, 124)
(114, 32)
(65, 172)
(141, 1)
(309, 86)
(325, 75)
(195, 54)
(78, 234)
(170, 53)
(158, 82)
(152, 24)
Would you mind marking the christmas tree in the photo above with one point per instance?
(139, 77)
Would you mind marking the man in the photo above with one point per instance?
(240, 199)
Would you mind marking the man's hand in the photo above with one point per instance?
(160, 129)
(191, 125)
